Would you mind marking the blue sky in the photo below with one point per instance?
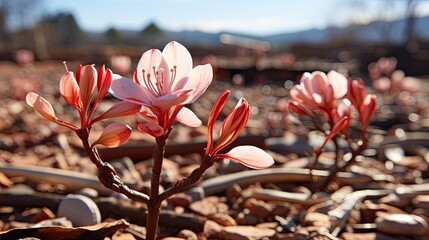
(251, 16)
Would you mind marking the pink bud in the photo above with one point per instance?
(357, 92)
(41, 105)
(45, 109)
(367, 110)
(87, 81)
(104, 81)
(69, 89)
(336, 129)
(114, 135)
(214, 113)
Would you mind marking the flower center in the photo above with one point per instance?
(160, 85)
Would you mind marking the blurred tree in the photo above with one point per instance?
(62, 28)
(151, 29)
(113, 35)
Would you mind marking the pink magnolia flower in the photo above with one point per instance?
(318, 91)
(164, 82)
(231, 128)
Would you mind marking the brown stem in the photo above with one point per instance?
(155, 202)
(188, 181)
(107, 174)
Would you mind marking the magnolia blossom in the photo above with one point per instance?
(164, 82)
(319, 91)
(231, 128)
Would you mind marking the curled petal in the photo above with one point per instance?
(41, 105)
(249, 156)
(114, 135)
(152, 129)
(69, 89)
(122, 108)
(87, 81)
(187, 117)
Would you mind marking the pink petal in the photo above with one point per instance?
(249, 156)
(104, 81)
(200, 79)
(114, 135)
(122, 108)
(41, 105)
(152, 129)
(45, 109)
(187, 117)
(177, 55)
(214, 113)
(339, 83)
(69, 89)
(127, 90)
(152, 58)
(87, 82)
(336, 129)
(165, 102)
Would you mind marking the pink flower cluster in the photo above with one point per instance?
(324, 93)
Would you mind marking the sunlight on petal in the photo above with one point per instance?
(114, 135)
(187, 117)
(41, 105)
(127, 90)
(250, 156)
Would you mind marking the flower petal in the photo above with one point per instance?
(249, 156)
(122, 108)
(114, 135)
(41, 105)
(177, 55)
(87, 82)
(127, 90)
(187, 117)
(69, 89)
(167, 101)
(151, 59)
(200, 79)
(103, 82)
(339, 83)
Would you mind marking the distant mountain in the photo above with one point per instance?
(374, 32)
